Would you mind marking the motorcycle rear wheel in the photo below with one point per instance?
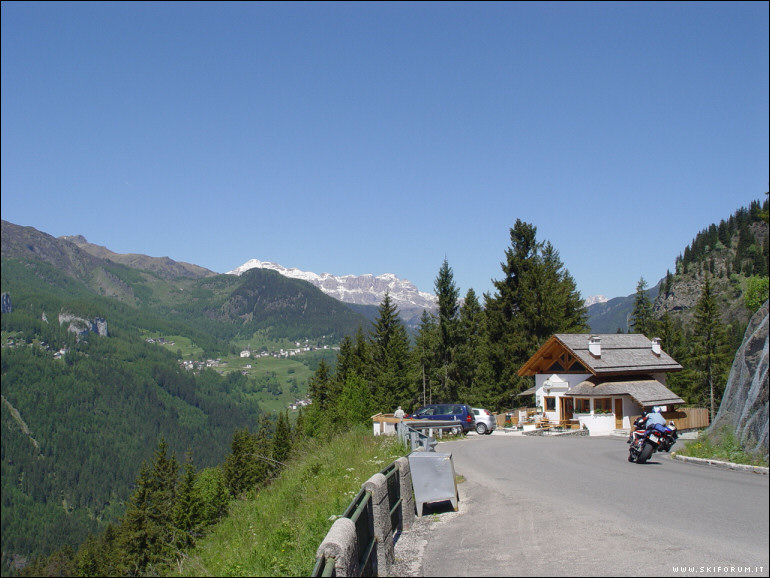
(645, 454)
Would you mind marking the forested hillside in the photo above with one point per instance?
(702, 309)
(81, 410)
(76, 429)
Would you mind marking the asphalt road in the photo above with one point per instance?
(574, 506)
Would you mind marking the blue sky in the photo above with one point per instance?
(355, 138)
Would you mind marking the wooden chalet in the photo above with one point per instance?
(600, 381)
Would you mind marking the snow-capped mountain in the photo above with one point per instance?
(593, 300)
(359, 289)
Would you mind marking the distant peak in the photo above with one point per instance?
(594, 299)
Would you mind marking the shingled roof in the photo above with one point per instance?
(646, 391)
(621, 354)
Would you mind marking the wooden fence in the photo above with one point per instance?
(688, 417)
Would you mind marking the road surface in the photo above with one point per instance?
(574, 506)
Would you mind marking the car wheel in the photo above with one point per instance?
(481, 429)
(455, 430)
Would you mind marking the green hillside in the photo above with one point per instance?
(82, 412)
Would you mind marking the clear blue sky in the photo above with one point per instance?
(356, 138)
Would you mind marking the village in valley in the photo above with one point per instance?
(245, 366)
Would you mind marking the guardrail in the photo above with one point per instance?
(413, 432)
(360, 542)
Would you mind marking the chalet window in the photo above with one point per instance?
(550, 403)
(582, 405)
(604, 404)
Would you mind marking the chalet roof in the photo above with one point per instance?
(645, 390)
(621, 353)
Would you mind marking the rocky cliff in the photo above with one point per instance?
(744, 406)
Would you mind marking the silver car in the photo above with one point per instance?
(485, 421)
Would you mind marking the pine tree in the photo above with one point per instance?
(136, 541)
(536, 298)
(282, 438)
(188, 509)
(320, 386)
(642, 319)
(147, 531)
(447, 294)
(390, 355)
(425, 355)
(264, 463)
(468, 350)
(240, 471)
(355, 405)
(711, 345)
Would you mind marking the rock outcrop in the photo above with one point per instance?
(744, 406)
(82, 327)
(5, 303)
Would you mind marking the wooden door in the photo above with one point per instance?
(619, 413)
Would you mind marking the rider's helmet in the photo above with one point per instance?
(656, 409)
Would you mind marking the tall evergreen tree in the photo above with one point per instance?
(468, 350)
(240, 467)
(447, 294)
(148, 530)
(642, 319)
(188, 508)
(711, 345)
(426, 361)
(535, 298)
(282, 438)
(320, 386)
(390, 356)
(264, 462)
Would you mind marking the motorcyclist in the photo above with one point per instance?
(646, 421)
(655, 417)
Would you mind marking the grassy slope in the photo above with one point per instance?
(277, 531)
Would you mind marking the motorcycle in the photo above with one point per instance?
(647, 441)
(669, 437)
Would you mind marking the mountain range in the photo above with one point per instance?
(358, 289)
(366, 289)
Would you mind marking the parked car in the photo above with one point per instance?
(448, 412)
(485, 421)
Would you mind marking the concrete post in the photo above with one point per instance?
(341, 544)
(383, 530)
(407, 493)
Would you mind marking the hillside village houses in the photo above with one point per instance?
(600, 381)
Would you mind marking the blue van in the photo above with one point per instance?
(448, 412)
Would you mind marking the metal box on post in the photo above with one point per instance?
(433, 478)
